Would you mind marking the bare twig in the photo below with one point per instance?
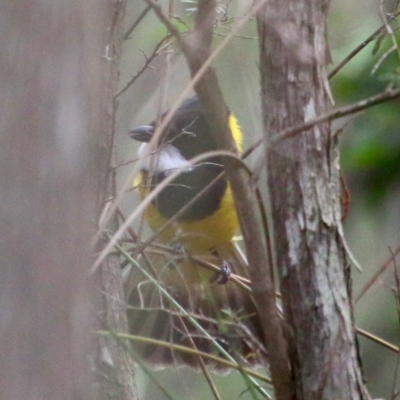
(136, 22)
(165, 20)
(156, 52)
(388, 94)
(157, 248)
(188, 350)
(373, 279)
(385, 17)
(382, 58)
(352, 54)
(378, 340)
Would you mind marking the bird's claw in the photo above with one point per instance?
(222, 276)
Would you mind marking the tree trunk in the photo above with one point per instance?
(113, 363)
(54, 160)
(304, 189)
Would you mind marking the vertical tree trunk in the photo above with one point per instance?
(54, 160)
(305, 195)
(113, 363)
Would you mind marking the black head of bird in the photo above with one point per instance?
(186, 136)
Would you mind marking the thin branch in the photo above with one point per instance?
(388, 94)
(156, 52)
(291, 131)
(377, 274)
(352, 54)
(136, 22)
(382, 59)
(378, 340)
(165, 20)
(163, 250)
(203, 367)
(187, 350)
(388, 28)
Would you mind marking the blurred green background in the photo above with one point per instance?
(370, 157)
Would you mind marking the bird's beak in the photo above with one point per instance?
(142, 133)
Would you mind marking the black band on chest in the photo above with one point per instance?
(186, 187)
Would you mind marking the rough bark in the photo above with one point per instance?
(113, 364)
(305, 190)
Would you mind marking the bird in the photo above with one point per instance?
(199, 210)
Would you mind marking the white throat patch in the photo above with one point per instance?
(166, 159)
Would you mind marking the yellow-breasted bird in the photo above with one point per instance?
(205, 230)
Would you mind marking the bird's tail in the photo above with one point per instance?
(183, 291)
